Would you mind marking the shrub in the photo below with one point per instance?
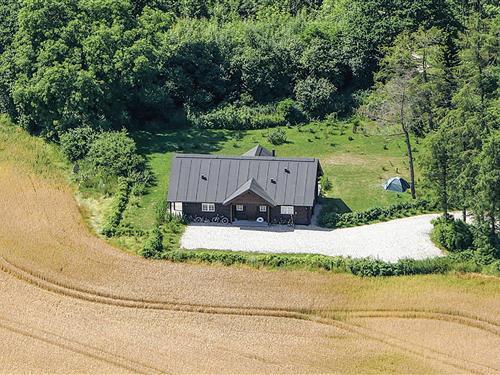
(153, 246)
(115, 153)
(290, 112)
(277, 137)
(119, 204)
(75, 143)
(161, 212)
(453, 235)
(326, 184)
(239, 118)
(315, 95)
(492, 269)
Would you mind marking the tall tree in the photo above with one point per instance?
(487, 187)
(433, 83)
(392, 101)
(473, 115)
(440, 166)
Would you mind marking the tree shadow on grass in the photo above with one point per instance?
(199, 141)
(335, 204)
(182, 140)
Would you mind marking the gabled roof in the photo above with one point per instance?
(258, 151)
(250, 186)
(214, 178)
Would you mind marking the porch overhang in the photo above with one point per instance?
(251, 186)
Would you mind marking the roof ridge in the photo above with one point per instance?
(243, 157)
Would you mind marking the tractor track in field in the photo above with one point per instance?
(349, 321)
(113, 300)
(77, 347)
(336, 318)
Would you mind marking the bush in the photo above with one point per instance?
(290, 112)
(315, 96)
(115, 153)
(119, 204)
(153, 246)
(239, 118)
(332, 219)
(326, 184)
(161, 212)
(75, 143)
(453, 235)
(277, 137)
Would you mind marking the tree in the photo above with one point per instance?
(473, 114)
(76, 143)
(290, 111)
(8, 22)
(487, 188)
(437, 163)
(115, 153)
(433, 83)
(392, 102)
(315, 95)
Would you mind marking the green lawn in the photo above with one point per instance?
(357, 167)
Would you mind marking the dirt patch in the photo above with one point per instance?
(360, 160)
(92, 308)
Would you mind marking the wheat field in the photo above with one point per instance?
(73, 303)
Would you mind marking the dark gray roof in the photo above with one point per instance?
(254, 187)
(214, 178)
(258, 151)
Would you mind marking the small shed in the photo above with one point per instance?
(397, 184)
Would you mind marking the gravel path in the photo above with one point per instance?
(389, 241)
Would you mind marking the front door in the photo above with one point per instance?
(250, 212)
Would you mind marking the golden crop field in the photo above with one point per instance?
(73, 303)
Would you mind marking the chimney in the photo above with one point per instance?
(273, 152)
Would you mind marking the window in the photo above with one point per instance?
(239, 207)
(262, 208)
(287, 210)
(177, 206)
(208, 207)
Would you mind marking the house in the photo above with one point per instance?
(256, 186)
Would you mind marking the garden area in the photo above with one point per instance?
(357, 159)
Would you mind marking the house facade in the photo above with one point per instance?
(256, 186)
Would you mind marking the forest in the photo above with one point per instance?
(83, 73)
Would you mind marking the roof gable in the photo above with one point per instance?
(250, 186)
(258, 151)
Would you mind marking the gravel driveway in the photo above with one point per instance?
(389, 241)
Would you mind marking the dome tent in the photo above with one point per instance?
(397, 184)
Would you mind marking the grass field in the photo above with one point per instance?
(92, 308)
(357, 167)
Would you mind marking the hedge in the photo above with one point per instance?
(153, 246)
(119, 204)
(468, 261)
(332, 219)
(239, 118)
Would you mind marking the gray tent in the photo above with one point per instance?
(396, 184)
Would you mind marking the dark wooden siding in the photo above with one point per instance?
(194, 209)
(302, 214)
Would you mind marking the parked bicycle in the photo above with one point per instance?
(220, 219)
